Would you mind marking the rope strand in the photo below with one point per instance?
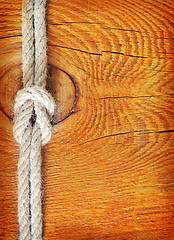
(40, 43)
(33, 110)
(28, 47)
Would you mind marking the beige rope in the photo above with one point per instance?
(33, 110)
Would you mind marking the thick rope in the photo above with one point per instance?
(33, 110)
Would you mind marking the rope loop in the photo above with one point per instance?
(33, 105)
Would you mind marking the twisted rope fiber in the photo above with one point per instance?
(33, 110)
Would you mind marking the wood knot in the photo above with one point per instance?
(62, 86)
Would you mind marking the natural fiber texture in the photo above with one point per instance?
(34, 43)
(33, 110)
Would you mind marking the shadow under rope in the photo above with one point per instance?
(76, 97)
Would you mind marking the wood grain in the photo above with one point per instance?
(108, 171)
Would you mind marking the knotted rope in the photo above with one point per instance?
(33, 110)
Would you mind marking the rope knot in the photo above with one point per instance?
(33, 106)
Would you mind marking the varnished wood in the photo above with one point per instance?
(108, 171)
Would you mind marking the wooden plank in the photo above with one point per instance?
(108, 171)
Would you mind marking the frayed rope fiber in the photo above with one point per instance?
(33, 112)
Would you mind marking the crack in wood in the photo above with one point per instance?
(145, 96)
(112, 52)
(74, 49)
(11, 36)
(125, 133)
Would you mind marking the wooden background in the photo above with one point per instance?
(108, 171)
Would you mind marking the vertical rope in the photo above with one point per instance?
(33, 110)
(40, 43)
(28, 47)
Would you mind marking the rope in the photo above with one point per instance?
(33, 110)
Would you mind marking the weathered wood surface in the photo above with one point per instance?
(108, 171)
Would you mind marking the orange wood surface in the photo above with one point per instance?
(108, 171)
